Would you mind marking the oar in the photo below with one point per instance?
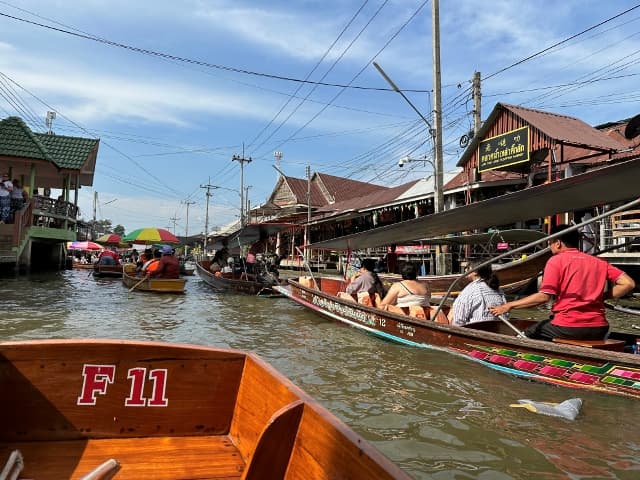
(134, 287)
(618, 308)
(519, 333)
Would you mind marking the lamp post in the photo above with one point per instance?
(437, 200)
(436, 139)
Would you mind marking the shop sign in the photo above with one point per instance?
(503, 150)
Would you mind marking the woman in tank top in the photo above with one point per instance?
(409, 292)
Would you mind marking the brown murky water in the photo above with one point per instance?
(436, 415)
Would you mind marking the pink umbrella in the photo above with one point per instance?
(85, 246)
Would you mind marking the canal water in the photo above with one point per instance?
(437, 415)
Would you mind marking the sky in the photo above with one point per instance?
(175, 89)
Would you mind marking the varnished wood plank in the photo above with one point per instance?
(163, 458)
(274, 448)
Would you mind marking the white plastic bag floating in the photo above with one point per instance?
(568, 409)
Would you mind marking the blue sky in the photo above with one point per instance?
(169, 126)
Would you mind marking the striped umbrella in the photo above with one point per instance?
(109, 239)
(150, 235)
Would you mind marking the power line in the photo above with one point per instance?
(202, 63)
(519, 62)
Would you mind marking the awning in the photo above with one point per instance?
(603, 186)
(252, 233)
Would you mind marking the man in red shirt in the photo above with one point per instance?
(109, 257)
(168, 267)
(578, 281)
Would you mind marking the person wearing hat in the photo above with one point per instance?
(168, 267)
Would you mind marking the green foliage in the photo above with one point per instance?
(119, 230)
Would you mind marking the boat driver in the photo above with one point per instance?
(578, 281)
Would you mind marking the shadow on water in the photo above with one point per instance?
(435, 414)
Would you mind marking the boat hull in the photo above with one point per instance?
(157, 285)
(496, 346)
(113, 271)
(233, 283)
(168, 411)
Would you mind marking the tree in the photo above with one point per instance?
(119, 230)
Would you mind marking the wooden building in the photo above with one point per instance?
(42, 162)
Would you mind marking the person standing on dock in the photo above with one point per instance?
(578, 282)
(6, 188)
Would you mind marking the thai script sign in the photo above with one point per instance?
(503, 150)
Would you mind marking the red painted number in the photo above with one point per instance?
(136, 397)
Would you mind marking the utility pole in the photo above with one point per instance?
(242, 160)
(174, 220)
(206, 215)
(186, 228)
(95, 206)
(437, 107)
(307, 240)
(477, 104)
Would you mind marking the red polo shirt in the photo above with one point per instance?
(577, 280)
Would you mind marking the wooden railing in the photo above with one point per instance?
(22, 221)
(625, 224)
(48, 212)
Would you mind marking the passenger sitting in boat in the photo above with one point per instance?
(228, 268)
(168, 267)
(108, 257)
(152, 264)
(472, 305)
(220, 257)
(144, 258)
(578, 282)
(366, 280)
(408, 292)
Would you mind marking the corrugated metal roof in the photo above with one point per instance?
(564, 129)
(340, 189)
(602, 186)
(379, 197)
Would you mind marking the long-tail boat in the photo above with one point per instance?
(104, 409)
(249, 283)
(607, 366)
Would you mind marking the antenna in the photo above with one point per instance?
(278, 156)
(51, 116)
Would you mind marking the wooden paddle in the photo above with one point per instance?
(134, 287)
